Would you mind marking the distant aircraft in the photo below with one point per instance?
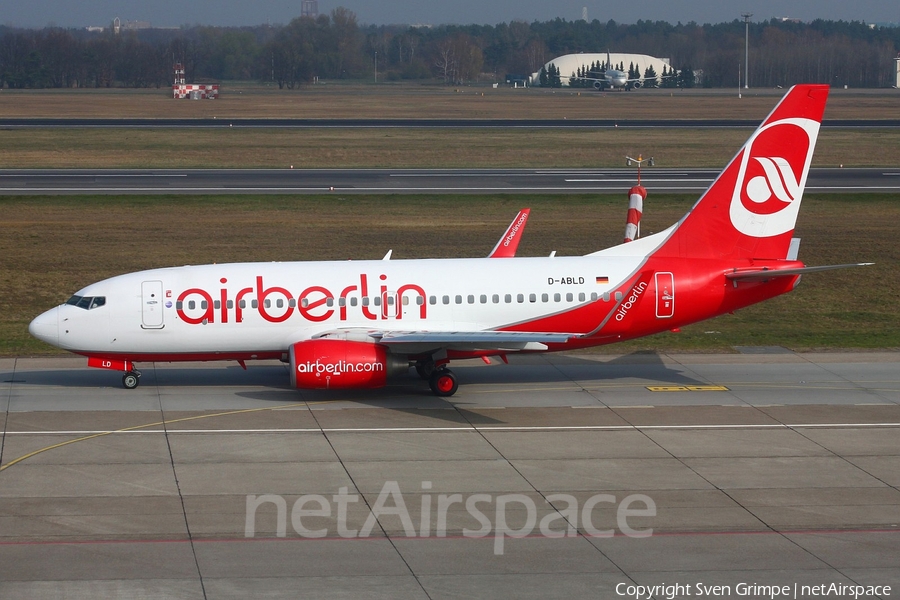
(354, 324)
(613, 78)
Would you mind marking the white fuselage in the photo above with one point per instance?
(266, 307)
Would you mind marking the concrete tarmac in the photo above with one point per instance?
(554, 476)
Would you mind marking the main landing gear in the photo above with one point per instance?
(443, 382)
(440, 379)
(131, 379)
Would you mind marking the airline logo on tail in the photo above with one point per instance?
(773, 169)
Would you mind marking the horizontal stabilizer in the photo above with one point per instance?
(765, 273)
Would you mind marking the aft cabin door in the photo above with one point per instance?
(152, 305)
(665, 295)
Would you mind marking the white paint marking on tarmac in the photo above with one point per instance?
(470, 429)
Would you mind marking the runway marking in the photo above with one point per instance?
(461, 428)
(687, 388)
(91, 175)
(135, 428)
(647, 181)
(399, 536)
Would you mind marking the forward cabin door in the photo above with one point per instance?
(152, 305)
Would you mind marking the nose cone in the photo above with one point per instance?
(46, 327)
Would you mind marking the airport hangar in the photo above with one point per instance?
(569, 64)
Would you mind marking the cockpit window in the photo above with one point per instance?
(87, 302)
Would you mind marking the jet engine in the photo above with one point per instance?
(636, 85)
(341, 364)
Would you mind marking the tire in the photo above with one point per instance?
(443, 383)
(131, 380)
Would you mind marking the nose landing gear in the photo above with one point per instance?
(131, 379)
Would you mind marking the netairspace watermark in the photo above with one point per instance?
(751, 590)
(562, 522)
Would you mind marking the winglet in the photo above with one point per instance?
(509, 242)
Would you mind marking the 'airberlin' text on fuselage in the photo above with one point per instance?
(315, 303)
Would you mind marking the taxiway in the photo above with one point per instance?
(764, 467)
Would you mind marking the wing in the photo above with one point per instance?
(422, 342)
(509, 241)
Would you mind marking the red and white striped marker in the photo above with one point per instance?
(636, 196)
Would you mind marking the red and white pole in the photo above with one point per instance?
(636, 196)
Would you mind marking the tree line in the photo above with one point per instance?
(336, 46)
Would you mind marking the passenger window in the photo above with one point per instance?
(420, 300)
(217, 304)
(569, 297)
(459, 299)
(618, 296)
(342, 302)
(556, 297)
(230, 304)
(365, 301)
(376, 300)
(581, 297)
(545, 298)
(254, 303)
(353, 301)
(507, 298)
(446, 299)
(242, 304)
(191, 305)
(483, 299)
(520, 298)
(532, 298)
(179, 305)
(495, 298)
(292, 303)
(268, 304)
(471, 299)
(329, 302)
(432, 300)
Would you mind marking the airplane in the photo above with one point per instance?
(355, 324)
(613, 78)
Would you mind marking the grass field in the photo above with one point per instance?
(419, 148)
(413, 148)
(243, 100)
(52, 246)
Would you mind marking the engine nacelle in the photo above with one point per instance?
(637, 85)
(598, 85)
(340, 364)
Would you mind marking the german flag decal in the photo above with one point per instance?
(603, 280)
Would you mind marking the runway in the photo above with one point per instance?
(553, 476)
(406, 181)
(215, 123)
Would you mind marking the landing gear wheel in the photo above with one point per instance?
(425, 368)
(131, 380)
(443, 383)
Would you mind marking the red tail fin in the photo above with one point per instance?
(750, 209)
